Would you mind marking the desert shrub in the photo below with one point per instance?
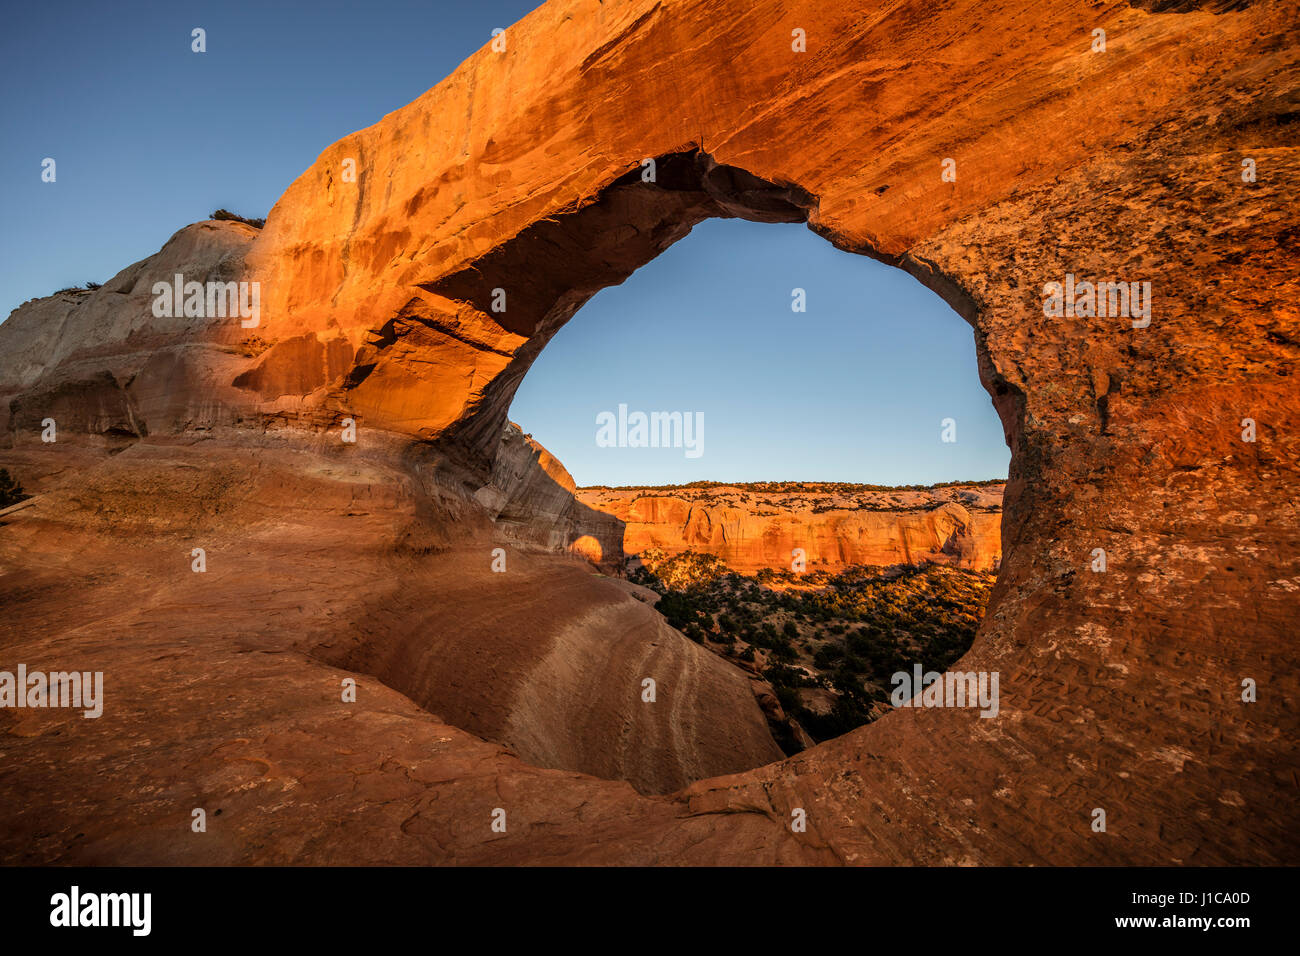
(826, 656)
(688, 571)
(677, 608)
(227, 216)
(784, 652)
(854, 664)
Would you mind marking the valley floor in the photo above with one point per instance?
(828, 643)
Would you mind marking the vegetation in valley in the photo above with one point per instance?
(827, 643)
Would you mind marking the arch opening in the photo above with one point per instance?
(802, 637)
(819, 585)
(570, 647)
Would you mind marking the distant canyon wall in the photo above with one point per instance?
(835, 525)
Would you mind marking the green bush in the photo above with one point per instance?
(826, 656)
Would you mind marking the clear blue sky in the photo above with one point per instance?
(149, 136)
(853, 389)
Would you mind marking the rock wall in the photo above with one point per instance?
(751, 529)
(531, 497)
(103, 363)
(522, 172)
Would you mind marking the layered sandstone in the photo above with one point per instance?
(522, 172)
(103, 364)
(340, 562)
(834, 527)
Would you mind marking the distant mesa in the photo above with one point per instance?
(834, 525)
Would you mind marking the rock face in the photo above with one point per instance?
(103, 364)
(531, 497)
(835, 527)
(521, 179)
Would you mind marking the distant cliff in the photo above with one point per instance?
(756, 526)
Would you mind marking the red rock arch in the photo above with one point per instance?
(1120, 690)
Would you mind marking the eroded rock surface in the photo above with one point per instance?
(1121, 690)
(833, 526)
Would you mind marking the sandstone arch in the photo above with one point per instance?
(1120, 690)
